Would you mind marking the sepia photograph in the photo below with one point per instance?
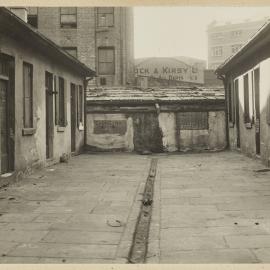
(134, 134)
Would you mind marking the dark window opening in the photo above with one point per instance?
(33, 20)
(27, 95)
(68, 17)
(61, 103)
(103, 81)
(246, 100)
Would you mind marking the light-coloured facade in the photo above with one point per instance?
(226, 39)
(41, 99)
(100, 37)
(246, 77)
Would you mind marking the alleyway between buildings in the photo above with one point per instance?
(208, 208)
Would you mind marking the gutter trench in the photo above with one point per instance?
(138, 250)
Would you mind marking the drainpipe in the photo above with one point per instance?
(223, 78)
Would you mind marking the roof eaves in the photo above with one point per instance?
(259, 34)
(10, 15)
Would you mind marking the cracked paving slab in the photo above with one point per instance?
(70, 212)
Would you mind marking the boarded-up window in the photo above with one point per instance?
(68, 17)
(193, 120)
(110, 127)
(105, 16)
(61, 103)
(27, 95)
(80, 105)
(246, 100)
(106, 65)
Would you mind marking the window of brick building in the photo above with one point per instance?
(68, 17)
(246, 100)
(32, 16)
(216, 51)
(71, 50)
(236, 33)
(105, 16)
(27, 95)
(106, 61)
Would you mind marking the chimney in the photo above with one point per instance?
(20, 12)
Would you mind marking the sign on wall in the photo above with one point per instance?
(170, 69)
(110, 127)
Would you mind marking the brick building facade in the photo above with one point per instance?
(100, 37)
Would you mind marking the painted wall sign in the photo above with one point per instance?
(110, 127)
(170, 69)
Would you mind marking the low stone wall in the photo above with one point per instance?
(163, 132)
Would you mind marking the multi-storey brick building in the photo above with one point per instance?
(100, 37)
(226, 39)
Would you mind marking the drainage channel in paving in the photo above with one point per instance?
(138, 250)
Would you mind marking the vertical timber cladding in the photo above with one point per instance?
(147, 133)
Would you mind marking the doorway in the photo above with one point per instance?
(257, 110)
(73, 110)
(49, 114)
(237, 121)
(7, 111)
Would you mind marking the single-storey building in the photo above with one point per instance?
(247, 83)
(41, 98)
(156, 120)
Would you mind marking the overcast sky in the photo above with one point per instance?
(181, 31)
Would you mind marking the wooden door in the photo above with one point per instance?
(237, 122)
(73, 110)
(257, 110)
(4, 126)
(49, 114)
(147, 134)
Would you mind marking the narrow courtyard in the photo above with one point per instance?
(207, 208)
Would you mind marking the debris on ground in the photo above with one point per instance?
(114, 223)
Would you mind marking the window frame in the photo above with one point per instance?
(68, 25)
(216, 49)
(71, 48)
(106, 62)
(104, 13)
(31, 119)
(61, 103)
(246, 98)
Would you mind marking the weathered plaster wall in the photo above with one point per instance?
(247, 133)
(31, 150)
(168, 128)
(142, 133)
(110, 141)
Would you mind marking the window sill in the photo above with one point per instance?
(28, 131)
(248, 125)
(61, 129)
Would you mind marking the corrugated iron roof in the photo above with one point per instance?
(155, 94)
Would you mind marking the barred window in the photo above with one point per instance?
(193, 120)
